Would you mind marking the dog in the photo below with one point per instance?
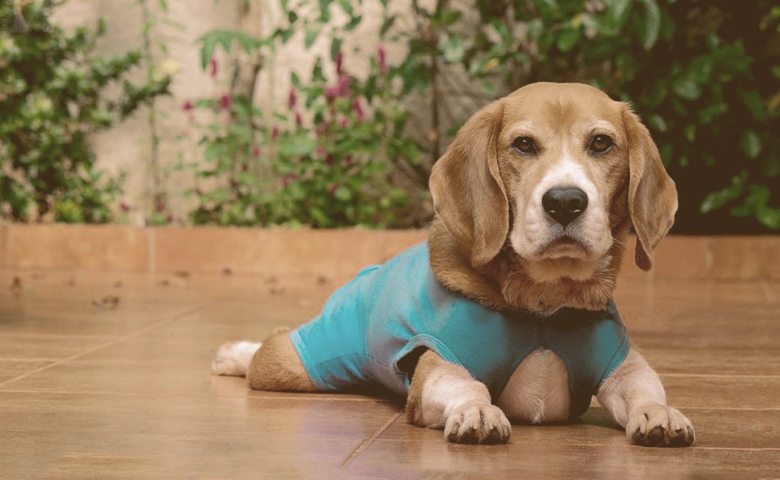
(506, 312)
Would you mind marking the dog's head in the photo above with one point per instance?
(556, 172)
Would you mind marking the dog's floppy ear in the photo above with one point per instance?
(468, 194)
(652, 197)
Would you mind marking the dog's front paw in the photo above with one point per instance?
(233, 358)
(660, 426)
(477, 423)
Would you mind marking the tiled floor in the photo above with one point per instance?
(107, 376)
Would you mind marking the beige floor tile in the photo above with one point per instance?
(108, 436)
(126, 392)
(12, 368)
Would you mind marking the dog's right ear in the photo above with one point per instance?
(468, 194)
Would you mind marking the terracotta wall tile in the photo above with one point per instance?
(91, 247)
(628, 269)
(396, 241)
(330, 253)
(3, 245)
(682, 257)
(746, 258)
(208, 250)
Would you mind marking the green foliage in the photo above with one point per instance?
(324, 160)
(53, 96)
(705, 76)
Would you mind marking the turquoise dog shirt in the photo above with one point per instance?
(370, 325)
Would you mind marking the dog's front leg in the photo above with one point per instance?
(444, 395)
(635, 397)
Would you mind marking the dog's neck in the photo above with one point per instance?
(505, 283)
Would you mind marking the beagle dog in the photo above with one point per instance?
(505, 314)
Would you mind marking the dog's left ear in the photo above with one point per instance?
(468, 194)
(652, 196)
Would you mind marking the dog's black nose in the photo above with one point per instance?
(564, 204)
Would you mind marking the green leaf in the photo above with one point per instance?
(656, 122)
(651, 23)
(750, 143)
(611, 23)
(324, 10)
(223, 38)
(547, 8)
(769, 217)
(687, 89)
(568, 39)
(353, 23)
(346, 5)
(319, 217)
(449, 17)
(719, 198)
(343, 194)
(335, 48)
(311, 37)
(690, 132)
(453, 48)
(298, 147)
(387, 24)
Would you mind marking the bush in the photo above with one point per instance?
(324, 161)
(703, 75)
(53, 97)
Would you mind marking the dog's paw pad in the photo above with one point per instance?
(478, 424)
(233, 358)
(660, 426)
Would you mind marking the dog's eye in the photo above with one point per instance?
(601, 144)
(524, 146)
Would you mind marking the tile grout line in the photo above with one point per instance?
(367, 442)
(719, 375)
(100, 347)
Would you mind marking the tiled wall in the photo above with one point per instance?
(324, 252)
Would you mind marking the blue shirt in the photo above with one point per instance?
(371, 324)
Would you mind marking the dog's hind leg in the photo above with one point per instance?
(273, 365)
(233, 358)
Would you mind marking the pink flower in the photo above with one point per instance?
(339, 63)
(213, 67)
(188, 105)
(124, 207)
(358, 109)
(225, 102)
(274, 133)
(348, 160)
(291, 100)
(256, 151)
(344, 122)
(320, 151)
(341, 89)
(381, 60)
(288, 178)
(298, 119)
(332, 188)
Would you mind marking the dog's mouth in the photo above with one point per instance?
(564, 247)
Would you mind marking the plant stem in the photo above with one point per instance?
(154, 154)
